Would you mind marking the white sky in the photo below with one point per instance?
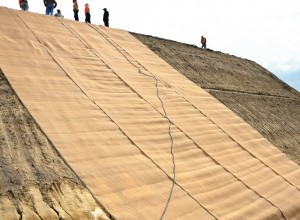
(265, 31)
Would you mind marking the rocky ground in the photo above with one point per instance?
(35, 181)
(252, 92)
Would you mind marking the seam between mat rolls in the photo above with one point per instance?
(66, 72)
(143, 153)
(165, 115)
(240, 145)
(206, 117)
(99, 203)
(118, 46)
(113, 43)
(169, 130)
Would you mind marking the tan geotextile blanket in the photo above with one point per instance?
(145, 140)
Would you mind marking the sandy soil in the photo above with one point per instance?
(38, 184)
(252, 92)
(35, 181)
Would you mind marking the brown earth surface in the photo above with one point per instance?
(252, 92)
(36, 183)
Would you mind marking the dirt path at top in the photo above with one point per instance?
(252, 92)
(35, 181)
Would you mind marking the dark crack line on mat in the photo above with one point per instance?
(171, 147)
(209, 118)
(153, 76)
(165, 115)
(143, 153)
(66, 73)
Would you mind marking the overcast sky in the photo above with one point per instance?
(265, 31)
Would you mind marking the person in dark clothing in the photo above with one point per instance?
(75, 10)
(105, 17)
(50, 5)
(203, 42)
(87, 13)
(23, 5)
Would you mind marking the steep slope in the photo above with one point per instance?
(35, 181)
(146, 141)
(252, 92)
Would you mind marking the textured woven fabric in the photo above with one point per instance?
(115, 111)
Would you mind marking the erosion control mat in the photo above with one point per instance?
(35, 183)
(252, 92)
(146, 141)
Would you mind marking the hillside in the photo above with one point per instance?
(252, 92)
(36, 183)
(95, 125)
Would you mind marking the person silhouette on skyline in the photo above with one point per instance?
(203, 42)
(50, 5)
(23, 5)
(105, 17)
(87, 13)
(75, 10)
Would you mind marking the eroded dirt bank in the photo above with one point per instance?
(35, 181)
(252, 92)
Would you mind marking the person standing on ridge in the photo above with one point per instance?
(23, 5)
(58, 14)
(50, 5)
(203, 42)
(105, 17)
(75, 10)
(87, 13)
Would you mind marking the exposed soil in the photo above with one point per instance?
(38, 184)
(35, 181)
(252, 92)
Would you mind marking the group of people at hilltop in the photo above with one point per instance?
(52, 4)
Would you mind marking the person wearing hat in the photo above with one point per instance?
(87, 13)
(105, 17)
(75, 10)
(58, 14)
(50, 5)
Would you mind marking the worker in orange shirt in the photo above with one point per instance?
(87, 13)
